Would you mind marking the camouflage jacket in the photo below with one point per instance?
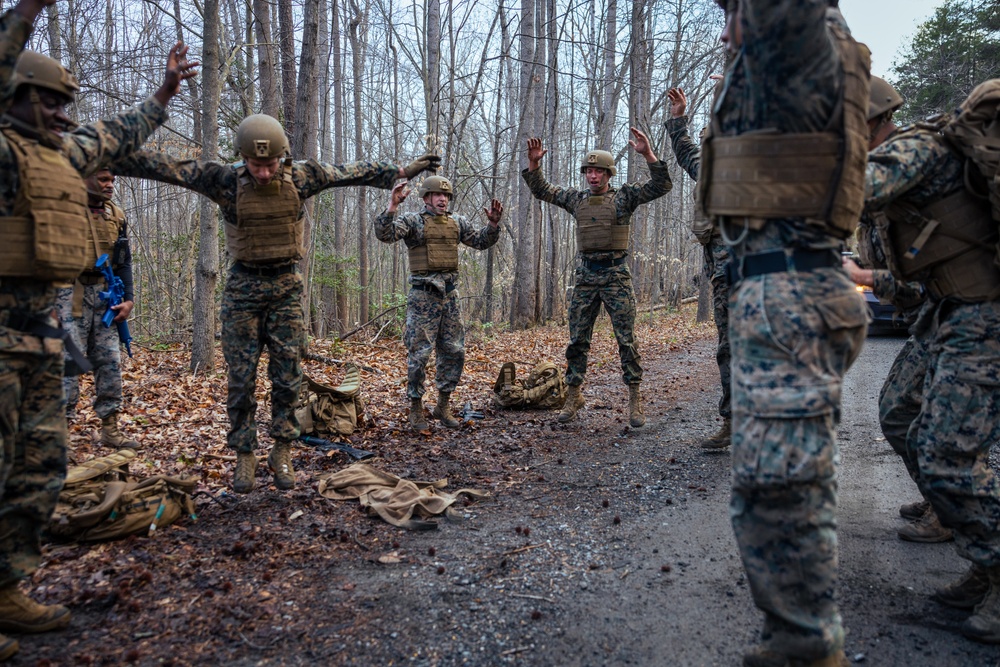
(87, 148)
(219, 181)
(410, 228)
(912, 165)
(627, 198)
(786, 77)
(688, 153)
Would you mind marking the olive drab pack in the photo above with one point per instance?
(597, 227)
(102, 501)
(545, 388)
(975, 133)
(440, 249)
(268, 227)
(46, 237)
(326, 411)
(746, 176)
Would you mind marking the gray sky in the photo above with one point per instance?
(886, 25)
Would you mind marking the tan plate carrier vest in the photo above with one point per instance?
(268, 227)
(440, 250)
(596, 230)
(104, 230)
(950, 245)
(46, 237)
(816, 175)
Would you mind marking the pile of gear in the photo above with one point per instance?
(545, 388)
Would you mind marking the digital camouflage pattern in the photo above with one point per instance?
(101, 345)
(793, 336)
(900, 398)
(32, 406)
(688, 156)
(433, 312)
(611, 286)
(258, 311)
(954, 356)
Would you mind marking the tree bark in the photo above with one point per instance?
(286, 41)
(356, 55)
(266, 61)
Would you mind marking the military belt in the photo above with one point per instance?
(428, 287)
(598, 264)
(778, 261)
(88, 278)
(263, 271)
(29, 323)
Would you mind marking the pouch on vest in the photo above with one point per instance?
(102, 501)
(545, 388)
(331, 411)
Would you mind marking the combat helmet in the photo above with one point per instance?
(35, 69)
(436, 184)
(883, 98)
(261, 136)
(602, 159)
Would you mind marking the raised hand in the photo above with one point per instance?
(400, 192)
(535, 152)
(494, 212)
(426, 162)
(641, 144)
(179, 69)
(678, 102)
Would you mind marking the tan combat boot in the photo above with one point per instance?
(574, 401)
(19, 613)
(967, 592)
(636, 418)
(417, 420)
(112, 437)
(722, 437)
(280, 463)
(984, 624)
(246, 472)
(926, 529)
(442, 411)
(914, 511)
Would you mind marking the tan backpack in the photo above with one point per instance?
(975, 133)
(331, 411)
(102, 501)
(545, 388)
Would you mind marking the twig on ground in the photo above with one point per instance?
(512, 651)
(528, 547)
(533, 597)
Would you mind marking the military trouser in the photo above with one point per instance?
(794, 337)
(958, 423)
(433, 321)
(612, 287)
(716, 259)
(260, 311)
(32, 436)
(901, 396)
(100, 344)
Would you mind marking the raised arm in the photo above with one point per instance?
(15, 28)
(388, 228)
(211, 179)
(487, 235)
(313, 176)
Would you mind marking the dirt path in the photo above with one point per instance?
(603, 545)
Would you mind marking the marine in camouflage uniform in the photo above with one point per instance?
(796, 321)
(81, 309)
(602, 274)
(716, 259)
(261, 200)
(42, 166)
(954, 356)
(901, 394)
(433, 313)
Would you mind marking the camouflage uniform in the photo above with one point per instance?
(260, 305)
(433, 313)
(32, 406)
(100, 343)
(716, 259)
(602, 277)
(794, 334)
(955, 357)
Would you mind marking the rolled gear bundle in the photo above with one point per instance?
(331, 411)
(545, 388)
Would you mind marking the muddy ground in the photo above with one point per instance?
(601, 545)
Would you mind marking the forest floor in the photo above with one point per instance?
(599, 544)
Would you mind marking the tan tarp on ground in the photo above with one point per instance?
(392, 498)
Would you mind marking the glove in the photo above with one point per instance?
(426, 162)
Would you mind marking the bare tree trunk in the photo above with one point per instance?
(266, 59)
(304, 139)
(207, 272)
(356, 56)
(609, 98)
(432, 76)
(55, 38)
(286, 41)
(339, 197)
